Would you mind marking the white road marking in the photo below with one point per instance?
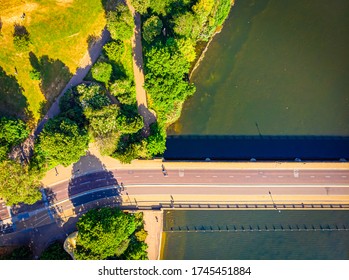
(136, 176)
(344, 176)
(247, 176)
(264, 176)
(197, 176)
(327, 176)
(231, 176)
(150, 176)
(280, 176)
(214, 176)
(312, 176)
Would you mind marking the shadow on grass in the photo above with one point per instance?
(54, 75)
(12, 101)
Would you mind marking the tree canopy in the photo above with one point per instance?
(165, 78)
(62, 141)
(101, 72)
(108, 233)
(12, 132)
(120, 23)
(151, 28)
(18, 184)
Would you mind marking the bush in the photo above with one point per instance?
(114, 50)
(124, 90)
(21, 38)
(101, 72)
(151, 28)
(120, 23)
(35, 75)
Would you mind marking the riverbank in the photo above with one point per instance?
(202, 49)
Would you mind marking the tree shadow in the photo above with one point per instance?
(21, 37)
(54, 76)
(110, 5)
(92, 183)
(12, 101)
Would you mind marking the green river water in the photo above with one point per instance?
(277, 64)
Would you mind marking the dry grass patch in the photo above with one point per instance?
(58, 32)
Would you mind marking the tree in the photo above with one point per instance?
(187, 49)
(141, 6)
(114, 50)
(103, 121)
(129, 125)
(21, 37)
(62, 141)
(166, 69)
(104, 233)
(124, 90)
(120, 23)
(18, 184)
(92, 96)
(12, 132)
(156, 142)
(101, 72)
(151, 28)
(187, 25)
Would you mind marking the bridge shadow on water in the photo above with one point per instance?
(264, 148)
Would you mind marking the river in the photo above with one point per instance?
(278, 67)
(292, 234)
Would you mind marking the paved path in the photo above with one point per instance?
(141, 95)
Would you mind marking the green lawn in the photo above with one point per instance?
(59, 32)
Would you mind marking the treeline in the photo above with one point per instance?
(114, 69)
(171, 30)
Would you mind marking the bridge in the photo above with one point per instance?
(191, 185)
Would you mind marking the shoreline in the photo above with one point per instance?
(202, 54)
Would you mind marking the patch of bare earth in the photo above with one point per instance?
(64, 3)
(18, 13)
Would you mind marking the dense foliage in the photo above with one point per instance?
(151, 28)
(120, 23)
(55, 251)
(12, 132)
(109, 233)
(20, 253)
(101, 72)
(168, 54)
(18, 184)
(165, 78)
(62, 142)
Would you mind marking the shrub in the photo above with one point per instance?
(101, 72)
(151, 28)
(35, 75)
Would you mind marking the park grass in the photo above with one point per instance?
(59, 33)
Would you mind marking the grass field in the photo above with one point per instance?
(59, 32)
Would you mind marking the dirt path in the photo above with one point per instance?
(141, 95)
